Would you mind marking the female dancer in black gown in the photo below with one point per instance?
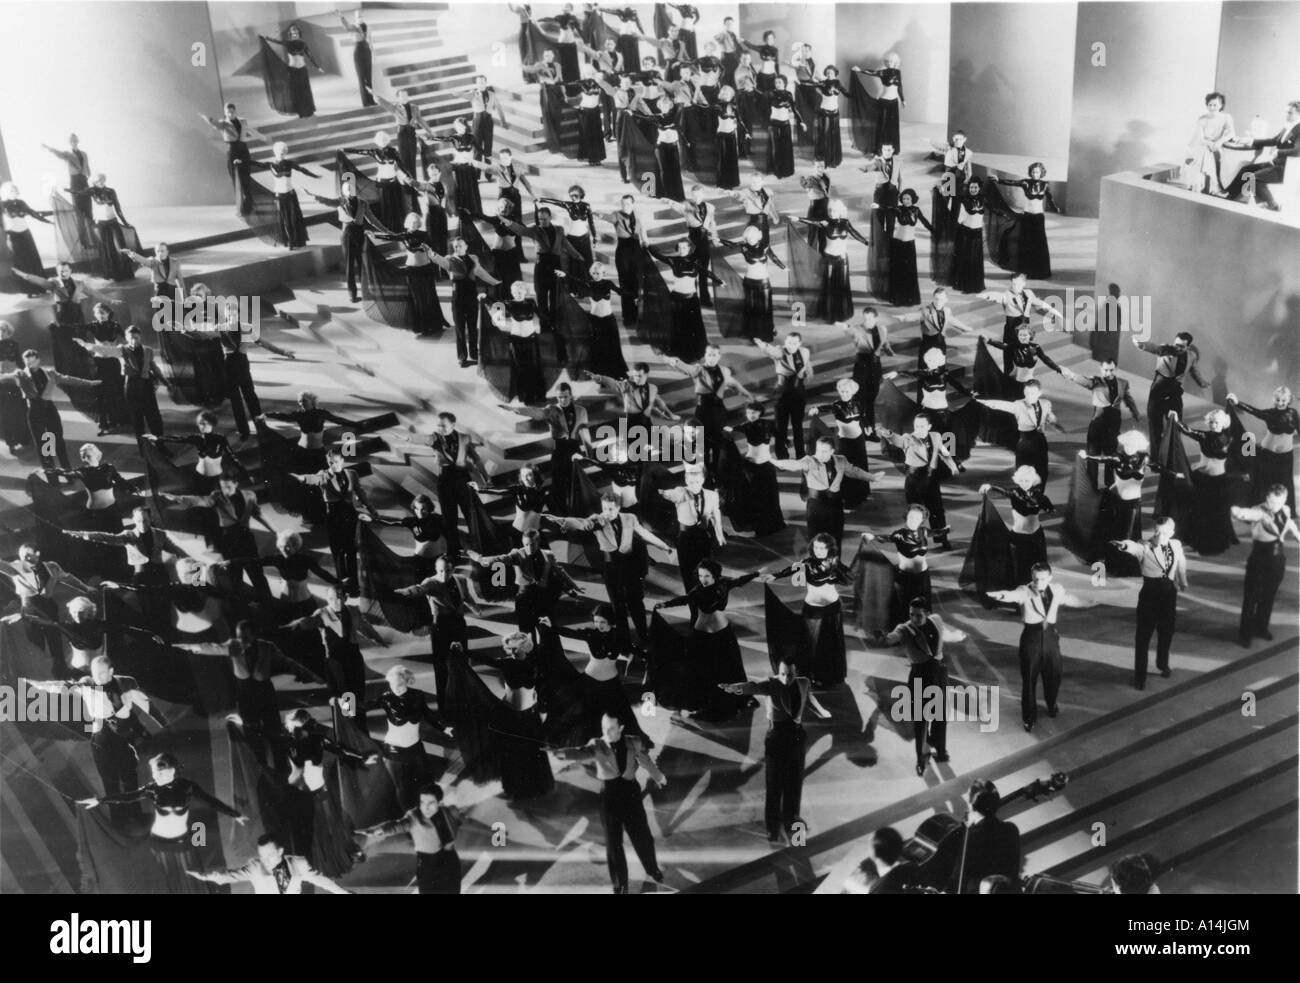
(904, 291)
(361, 57)
(111, 229)
(836, 300)
(782, 118)
(850, 437)
(405, 709)
(601, 689)
(888, 102)
(968, 241)
(754, 501)
(1119, 514)
(687, 337)
(870, 341)
(768, 54)
(1028, 545)
(331, 850)
(731, 133)
(464, 154)
(828, 91)
(171, 839)
(425, 312)
(288, 83)
(390, 175)
(756, 313)
(1275, 455)
(605, 356)
(1210, 530)
(21, 247)
(292, 231)
(1025, 251)
(820, 652)
(234, 132)
(912, 573)
(668, 156)
(110, 396)
(712, 657)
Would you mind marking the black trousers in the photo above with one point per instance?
(626, 589)
(438, 873)
(1165, 395)
(115, 760)
(239, 390)
(142, 404)
(629, 280)
(46, 427)
(790, 406)
(1264, 175)
(544, 281)
(699, 239)
(924, 486)
(464, 313)
(1265, 569)
(932, 732)
(1040, 656)
(259, 709)
(1157, 606)
(453, 496)
(353, 241)
(448, 629)
(345, 669)
(786, 748)
(532, 602)
(341, 529)
(621, 811)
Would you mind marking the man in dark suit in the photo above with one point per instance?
(993, 845)
(897, 875)
(1270, 172)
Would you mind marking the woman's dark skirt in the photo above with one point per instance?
(408, 767)
(669, 158)
(1026, 550)
(1119, 519)
(828, 665)
(836, 301)
(361, 62)
(968, 260)
(332, 850)
(300, 92)
(1031, 450)
(1211, 531)
(466, 195)
(1035, 261)
(84, 203)
(781, 161)
(728, 161)
(868, 373)
(606, 356)
(526, 359)
(855, 490)
(392, 204)
(426, 311)
(591, 136)
(525, 770)
(887, 125)
(758, 500)
(566, 53)
(903, 288)
(292, 230)
(1272, 468)
(757, 295)
(438, 873)
(175, 859)
(24, 256)
(825, 515)
(688, 338)
(113, 265)
(828, 146)
(1103, 432)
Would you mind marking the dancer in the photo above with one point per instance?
(234, 132)
(923, 452)
(404, 757)
(144, 545)
(1022, 245)
(538, 575)
(1024, 355)
(616, 757)
(454, 455)
(426, 317)
(711, 380)
(1275, 454)
(782, 118)
(1033, 414)
(234, 509)
(44, 424)
(923, 636)
(605, 356)
(35, 581)
(1164, 574)
(631, 241)
(836, 300)
(888, 102)
(291, 230)
(409, 122)
(449, 600)
(794, 370)
(392, 172)
(215, 457)
(432, 826)
(571, 436)
(1108, 391)
(1266, 566)
(112, 230)
(818, 644)
(273, 871)
(14, 213)
(170, 838)
(361, 54)
(850, 437)
(828, 91)
(288, 83)
(687, 336)
(344, 497)
(701, 229)
(759, 205)
(529, 499)
(754, 504)
(870, 341)
(578, 227)
(1028, 546)
(911, 575)
(825, 473)
(756, 313)
(1210, 530)
(355, 216)
(341, 633)
(789, 696)
(464, 270)
(1040, 646)
(78, 164)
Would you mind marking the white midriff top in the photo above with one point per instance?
(403, 735)
(756, 271)
(387, 171)
(102, 211)
(820, 595)
(837, 247)
(281, 185)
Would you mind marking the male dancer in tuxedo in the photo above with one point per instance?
(1164, 574)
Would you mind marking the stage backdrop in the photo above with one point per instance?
(1229, 275)
(120, 76)
(1255, 41)
(1011, 77)
(1141, 72)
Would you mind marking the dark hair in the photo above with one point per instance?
(449, 417)
(31, 353)
(1038, 568)
(984, 797)
(756, 405)
(131, 329)
(610, 496)
(869, 310)
(919, 603)
(1134, 874)
(906, 192)
(1276, 490)
(640, 367)
(713, 566)
(266, 839)
(1184, 334)
(1160, 520)
(605, 611)
(564, 387)
(433, 788)
(924, 415)
(207, 416)
(578, 188)
(165, 760)
(887, 845)
(1216, 95)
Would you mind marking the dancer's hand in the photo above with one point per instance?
(90, 803)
